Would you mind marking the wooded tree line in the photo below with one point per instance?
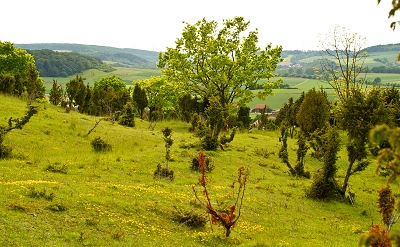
(62, 64)
(123, 57)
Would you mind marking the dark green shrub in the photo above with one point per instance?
(127, 117)
(243, 117)
(57, 168)
(100, 145)
(4, 151)
(160, 173)
(224, 139)
(210, 141)
(57, 208)
(324, 185)
(263, 152)
(33, 193)
(190, 219)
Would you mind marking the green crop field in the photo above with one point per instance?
(56, 191)
(298, 86)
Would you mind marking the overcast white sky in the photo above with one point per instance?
(155, 24)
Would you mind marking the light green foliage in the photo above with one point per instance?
(225, 63)
(391, 97)
(111, 81)
(162, 95)
(388, 157)
(14, 61)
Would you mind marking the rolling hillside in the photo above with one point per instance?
(56, 191)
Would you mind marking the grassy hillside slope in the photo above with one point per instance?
(111, 199)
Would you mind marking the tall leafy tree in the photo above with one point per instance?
(113, 81)
(224, 63)
(14, 60)
(343, 60)
(162, 96)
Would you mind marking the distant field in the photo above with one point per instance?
(298, 85)
(386, 78)
(127, 74)
(369, 61)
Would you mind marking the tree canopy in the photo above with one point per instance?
(14, 61)
(224, 63)
(343, 61)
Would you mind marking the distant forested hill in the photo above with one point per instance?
(380, 48)
(62, 64)
(124, 57)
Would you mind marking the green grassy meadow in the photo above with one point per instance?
(111, 198)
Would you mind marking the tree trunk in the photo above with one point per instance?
(347, 177)
(227, 231)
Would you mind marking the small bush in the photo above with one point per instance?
(17, 207)
(57, 168)
(57, 208)
(190, 219)
(160, 173)
(5, 151)
(263, 152)
(33, 193)
(118, 235)
(210, 141)
(127, 117)
(100, 145)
